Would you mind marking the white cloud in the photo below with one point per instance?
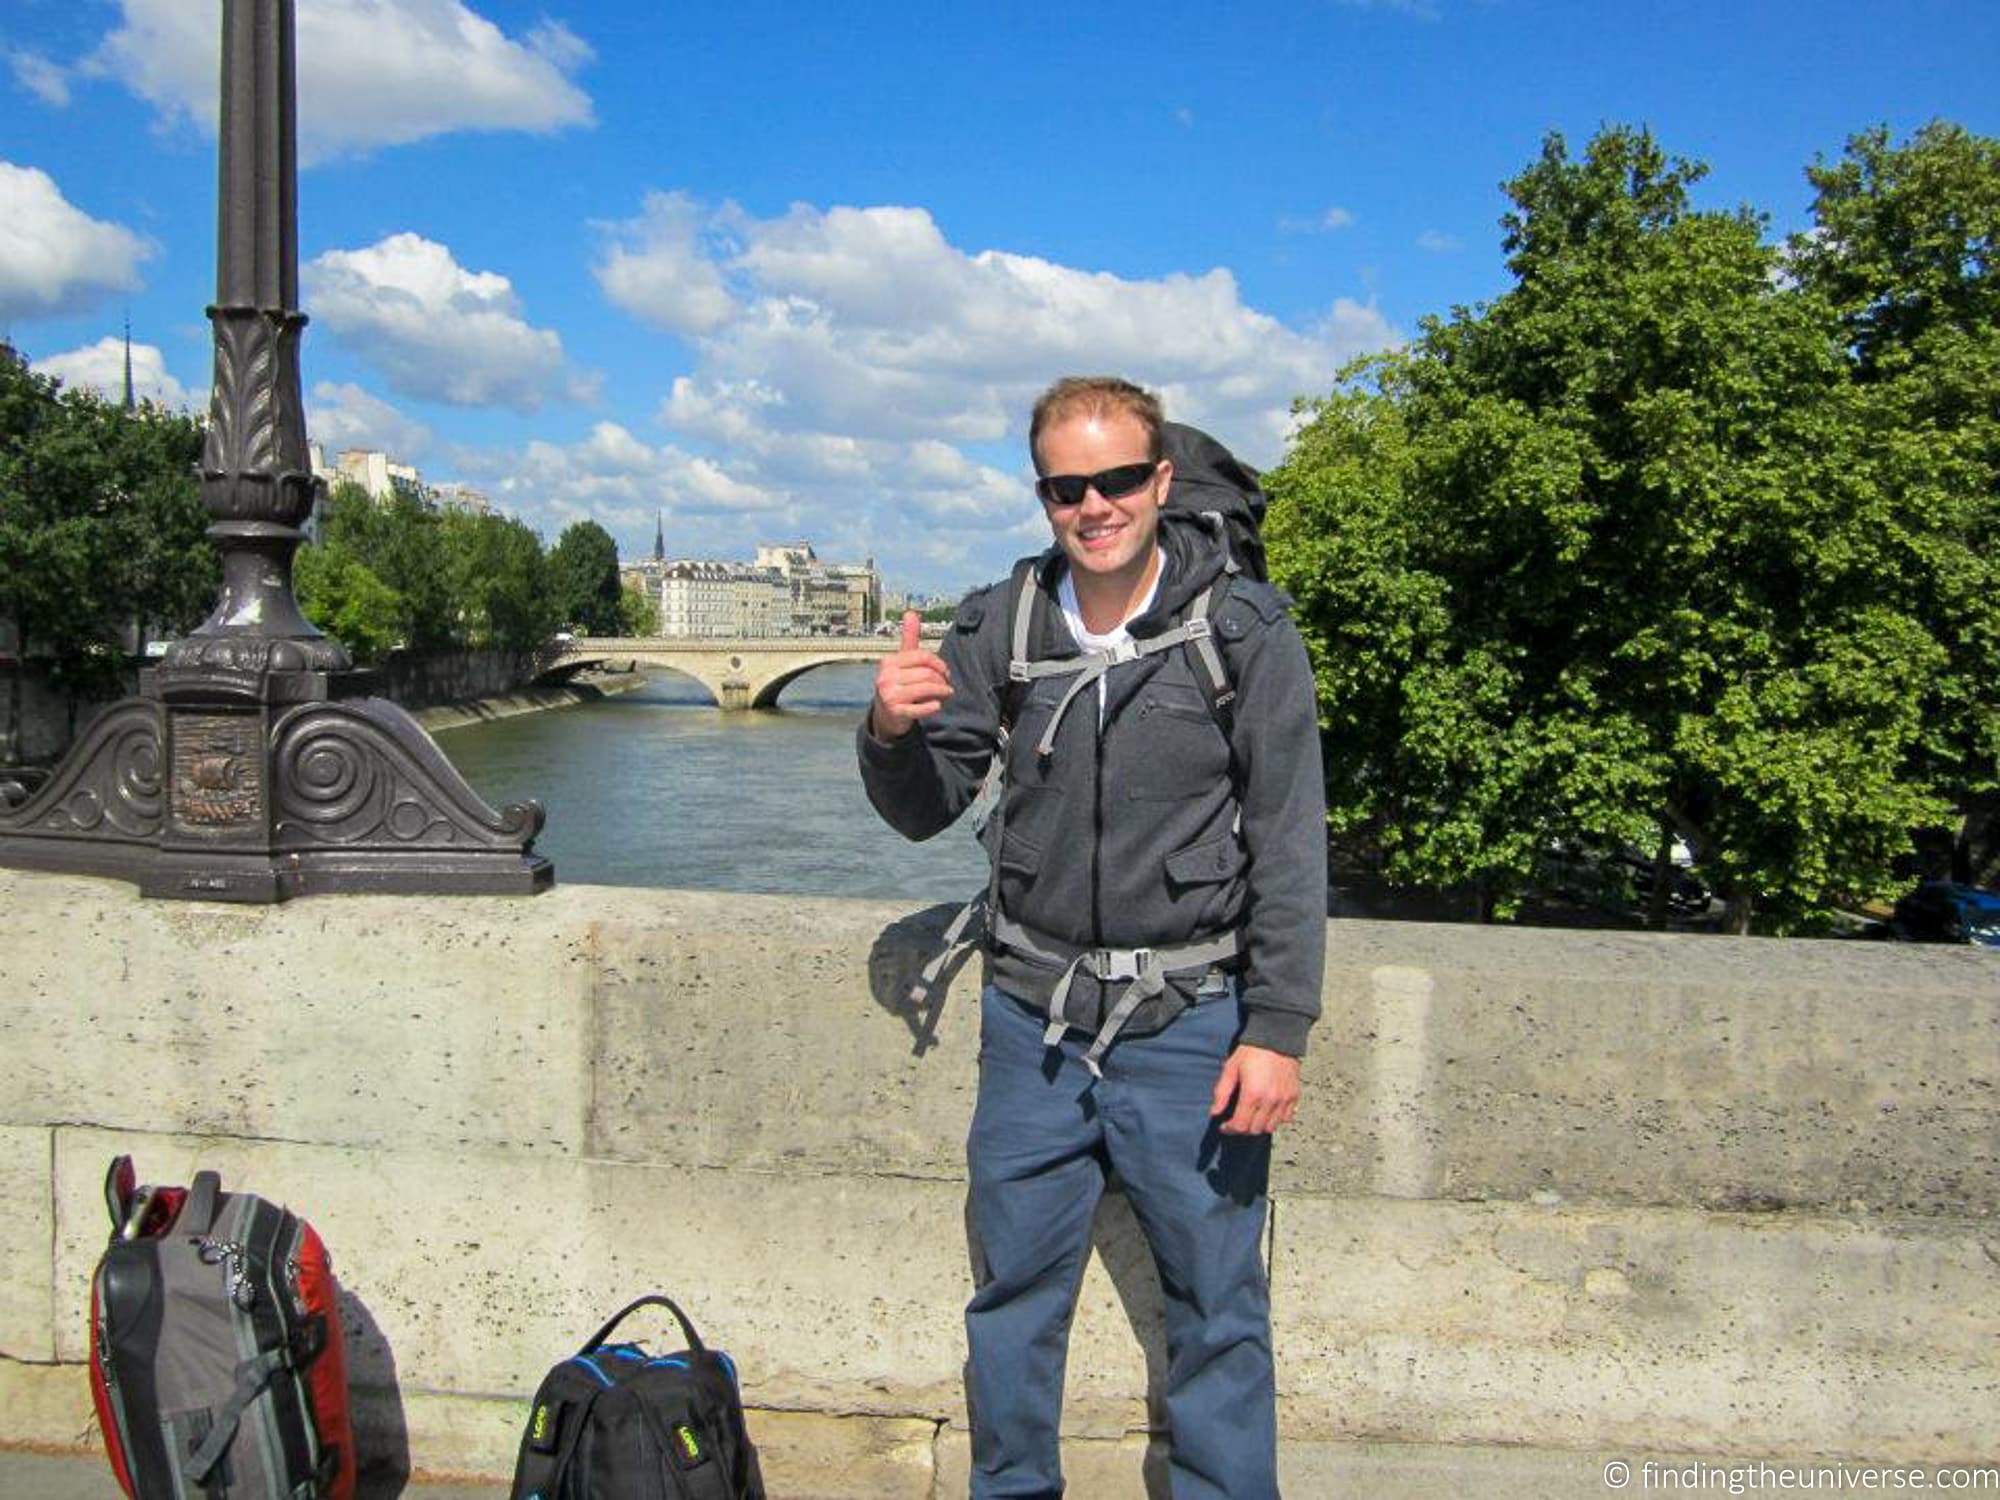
(1334, 218)
(55, 259)
(857, 361)
(1438, 243)
(342, 416)
(623, 483)
(371, 73)
(437, 331)
(867, 323)
(654, 268)
(101, 367)
(46, 80)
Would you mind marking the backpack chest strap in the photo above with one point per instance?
(1091, 667)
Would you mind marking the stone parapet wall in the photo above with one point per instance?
(1571, 1192)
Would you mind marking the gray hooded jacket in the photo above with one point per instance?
(1128, 835)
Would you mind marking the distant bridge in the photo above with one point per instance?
(739, 672)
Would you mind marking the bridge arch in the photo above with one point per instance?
(739, 674)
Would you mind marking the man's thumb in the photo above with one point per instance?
(909, 630)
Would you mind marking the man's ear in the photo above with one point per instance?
(1166, 480)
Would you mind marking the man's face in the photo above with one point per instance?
(1112, 539)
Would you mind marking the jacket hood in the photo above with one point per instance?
(1192, 560)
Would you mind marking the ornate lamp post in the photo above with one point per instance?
(254, 765)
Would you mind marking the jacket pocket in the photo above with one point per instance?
(1210, 862)
(1174, 749)
(1020, 860)
(1176, 702)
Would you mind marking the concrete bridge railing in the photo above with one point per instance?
(1553, 1196)
(738, 672)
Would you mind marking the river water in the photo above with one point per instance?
(658, 787)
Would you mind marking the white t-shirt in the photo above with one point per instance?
(1088, 640)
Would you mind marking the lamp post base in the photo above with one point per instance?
(263, 786)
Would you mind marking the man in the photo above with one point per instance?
(1156, 936)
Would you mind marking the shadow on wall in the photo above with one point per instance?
(899, 956)
(381, 1432)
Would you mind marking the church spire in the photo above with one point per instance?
(659, 537)
(131, 403)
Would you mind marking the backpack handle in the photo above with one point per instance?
(598, 1339)
(204, 1196)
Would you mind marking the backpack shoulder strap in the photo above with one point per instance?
(1027, 612)
(1212, 670)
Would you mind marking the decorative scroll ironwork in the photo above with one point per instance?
(364, 772)
(106, 798)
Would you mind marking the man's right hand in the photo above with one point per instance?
(910, 684)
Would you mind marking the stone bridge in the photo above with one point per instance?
(738, 671)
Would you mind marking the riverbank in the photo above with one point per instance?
(588, 688)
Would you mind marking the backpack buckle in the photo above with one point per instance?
(1017, 671)
(1198, 629)
(1120, 963)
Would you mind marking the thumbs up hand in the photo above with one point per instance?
(911, 683)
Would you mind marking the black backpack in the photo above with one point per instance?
(613, 1422)
(1211, 482)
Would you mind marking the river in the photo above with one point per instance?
(658, 787)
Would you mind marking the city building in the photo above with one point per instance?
(381, 476)
(708, 599)
(786, 591)
(826, 598)
(460, 497)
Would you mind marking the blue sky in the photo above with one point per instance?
(790, 271)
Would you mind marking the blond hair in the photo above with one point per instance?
(1096, 395)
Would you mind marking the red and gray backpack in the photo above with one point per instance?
(216, 1360)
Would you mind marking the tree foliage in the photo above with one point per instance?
(639, 612)
(395, 573)
(583, 573)
(1903, 246)
(1628, 553)
(102, 533)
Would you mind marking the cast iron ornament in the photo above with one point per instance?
(255, 765)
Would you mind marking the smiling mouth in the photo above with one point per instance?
(1099, 537)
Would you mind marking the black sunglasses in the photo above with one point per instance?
(1112, 484)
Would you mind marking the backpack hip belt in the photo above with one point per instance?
(1147, 969)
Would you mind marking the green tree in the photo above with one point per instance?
(498, 579)
(340, 595)
(639, 612)
(101, 530)
(1903, 245)
(397, 538)
(169, 571)
(583, 574)
(1598, 562)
